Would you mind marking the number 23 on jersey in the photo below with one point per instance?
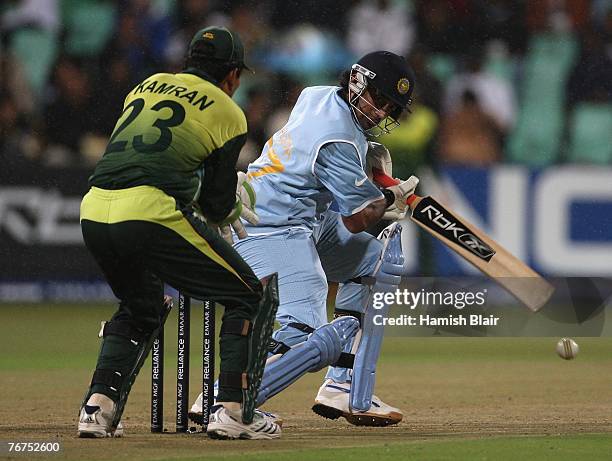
(132, 129)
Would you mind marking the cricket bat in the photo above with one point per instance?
(475, 246)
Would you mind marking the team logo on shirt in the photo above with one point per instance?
(403, 85)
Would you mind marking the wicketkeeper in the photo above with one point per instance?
(166, 182)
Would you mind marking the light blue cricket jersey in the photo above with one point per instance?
(317, 157)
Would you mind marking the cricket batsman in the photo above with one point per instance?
(322, 155)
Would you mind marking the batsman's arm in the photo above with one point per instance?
(339, 169)
(370, 215)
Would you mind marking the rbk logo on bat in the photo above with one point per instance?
(433, 215)
(477, 246)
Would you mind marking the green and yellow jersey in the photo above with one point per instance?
(179, 133)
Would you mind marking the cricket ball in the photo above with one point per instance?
(567, 348)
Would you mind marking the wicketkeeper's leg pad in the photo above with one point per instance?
(263, 325)
(259, 334)
(322, 348)
(136, 344)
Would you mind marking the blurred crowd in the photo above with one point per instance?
(526, 82)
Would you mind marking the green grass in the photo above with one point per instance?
(55, 336)
(464, 398)
(49, 336)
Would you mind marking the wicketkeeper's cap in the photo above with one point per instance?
(220, 44)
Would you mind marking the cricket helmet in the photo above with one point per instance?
(388, 78)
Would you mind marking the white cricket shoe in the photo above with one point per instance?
(93, 423)
(227, 424)
(332, 401)
(195, 413)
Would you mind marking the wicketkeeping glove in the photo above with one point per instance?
(243, 208)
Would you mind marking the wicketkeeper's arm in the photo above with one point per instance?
(218, 194)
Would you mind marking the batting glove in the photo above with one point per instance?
(402, 191)
(393, 214)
